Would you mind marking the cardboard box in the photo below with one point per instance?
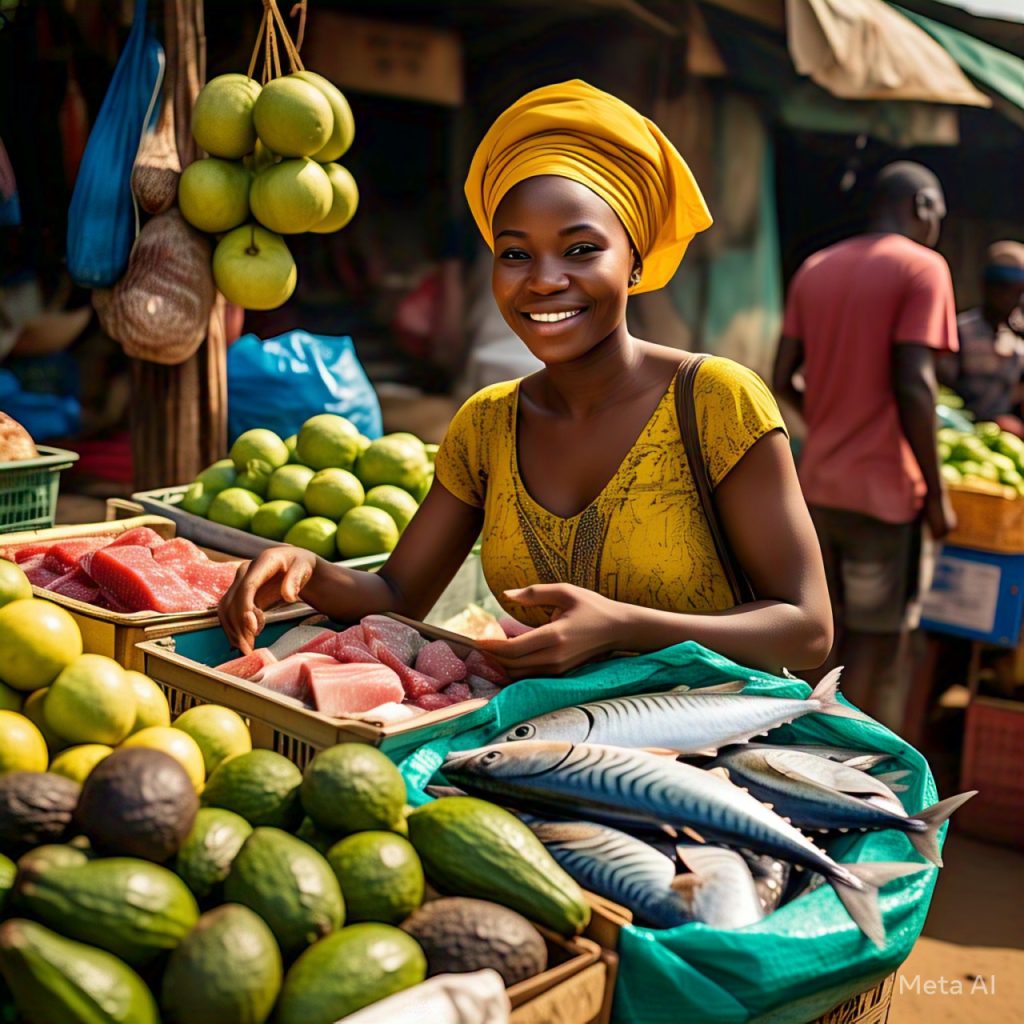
(571, 991)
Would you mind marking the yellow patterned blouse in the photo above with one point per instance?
(644, 539)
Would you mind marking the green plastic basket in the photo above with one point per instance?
(28, 489)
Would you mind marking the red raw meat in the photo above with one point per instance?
(37, 573)
(76, 585)
(478, 664)
(482, 689)
(24, 552)
(66, 555)
(177, 552)
(210, 578)
(249, 665)
(111, 603)
(416, 683)
(433, 701)
(512, 627)
(286, 677)
(297, 639)
(438, 660)
(346, 647)
(403, 641)
(142, 536)
(340, 690)
(458, 691)
(130, 575)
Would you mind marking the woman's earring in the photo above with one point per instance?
(634, 277)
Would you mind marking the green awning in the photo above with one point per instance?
(992, 68)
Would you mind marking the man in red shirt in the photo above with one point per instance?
(864, 320)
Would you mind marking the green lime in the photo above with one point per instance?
(262, 786)
(366, 531)
(14, 584)
(33, 711)
(197, 499)
(91, 701)
(398, 504)
(333, 492)
(259, 444)
(289, 483)
(256, 477)
(380, 874)
(424, 488)
(274, 519)
(10, 698)
(291, 443)
(22, 747)
(328, 442)
(38, 638)
(234, 507)
(364, 443)
(398, 459)
(150, 702)
(76, 763)
(431, 452)
(217, 477)
(353, 787)
(219, 732)
(315, 534)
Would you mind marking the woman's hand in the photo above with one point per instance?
(278, 574)
(583, 626)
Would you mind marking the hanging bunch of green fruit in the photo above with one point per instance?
(272, 168)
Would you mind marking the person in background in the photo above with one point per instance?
(864, 321)
(986, 372)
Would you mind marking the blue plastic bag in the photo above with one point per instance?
(101, 220)
(44, 416)
(279, 383)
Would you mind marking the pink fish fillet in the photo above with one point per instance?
(178, 552)
(23, 552)
(433, 701)
(37, 573)
(250, 664)
(403, 641)
(66, 555)
(351, 689)
(299, 638)
(438, 660)
(416, 683)
(210, 578)
(286, 677)
(75, 585)
(478, 664)
(130, 575)
(141, 536)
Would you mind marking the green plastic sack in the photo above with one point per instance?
(805, 957)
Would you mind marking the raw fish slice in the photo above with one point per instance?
(416, 683)
(439, 661)
(21, 554)
(131, 576)
(478, 664)
(391, 713)
(298, 639)
(403, 641)
(460, 691)
(346, 647)
(433, 701)
(210, 578)
(142, 536)
(286, 678)
(327, 637)
(111, 603)
(179, 551)
(340, 690)
(37, 573)
(66, 555)
(482, 689)
(249, 665)
(513, 627)
(75, 585)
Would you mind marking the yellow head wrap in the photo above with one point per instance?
(575, 131)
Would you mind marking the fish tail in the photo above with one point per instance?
(926, 840)
(827, 692)
(894, 780)
(859, 895)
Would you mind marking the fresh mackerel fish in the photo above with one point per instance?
(813, 792)
(718, 890)
(618, 786)
(688, 722)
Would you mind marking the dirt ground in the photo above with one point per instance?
(968, 965)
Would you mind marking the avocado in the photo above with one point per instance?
(57, 981)
(290, 885)
(228, 968)
(318, 838)
(206, 856)
(131, 908)
(470, 847)
(139, 803)
(35, 808)
(459, 934)
(349, 970)
(261, 785)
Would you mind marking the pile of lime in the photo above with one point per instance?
(272, 171)
(328, 489)
(986, 458)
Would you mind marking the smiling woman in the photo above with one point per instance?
(577, 478)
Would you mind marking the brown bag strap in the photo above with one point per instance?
(686, 413)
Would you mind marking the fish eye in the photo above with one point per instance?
(523, 732)
(490, 757)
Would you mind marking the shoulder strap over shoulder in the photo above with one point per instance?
(686, 412)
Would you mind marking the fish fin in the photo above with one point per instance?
(926, 842)
(707, 860)
(862, 904)
(693, 834)
(735, 686)
(826, 692)
(864, 762)
(721, 771)
(894, 780)
(681, 688)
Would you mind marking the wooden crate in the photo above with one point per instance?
(868, 1007)
(988, 521)
(573, 990)
(117, 634)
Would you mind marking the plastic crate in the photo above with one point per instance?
(29, 487)
(993, 738)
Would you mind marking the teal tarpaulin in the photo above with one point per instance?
(802, 959)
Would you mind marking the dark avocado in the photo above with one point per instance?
(35, 808)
